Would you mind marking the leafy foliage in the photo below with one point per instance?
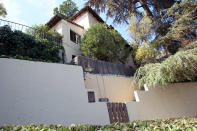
(141, 31)
(120, 10)
(184, 124)
(182, 21)
(67, 9)
(102, 43)
(182, 18)
(2, 10)
(43, 32)
(180, 67)
(145, 54)
(20, 45)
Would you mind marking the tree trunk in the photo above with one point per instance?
(145, 7)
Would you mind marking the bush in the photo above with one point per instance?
(44, 32)
(186, 124)
(180, 67)
(106, 44)
(18, 44)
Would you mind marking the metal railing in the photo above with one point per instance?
(25, 28)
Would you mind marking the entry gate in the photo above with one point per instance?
(117, 112)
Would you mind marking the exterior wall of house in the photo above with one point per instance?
(86, 20)
(115, 88)
(70, 47)
(176, 100)
(46, 93)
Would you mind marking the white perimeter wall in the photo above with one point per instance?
(176, 100)
(46, 93)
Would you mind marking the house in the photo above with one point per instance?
(73, 29)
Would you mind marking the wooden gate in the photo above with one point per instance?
(117, 112)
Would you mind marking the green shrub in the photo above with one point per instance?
(44, 32)
(186, 124)
(180, 67)
(106, 44)
(18, 44)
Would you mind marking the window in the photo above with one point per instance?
(74, 37)
(91, 97)
(73, 56)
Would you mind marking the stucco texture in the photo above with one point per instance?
(172, 101)
(46, 93)
(115, 88)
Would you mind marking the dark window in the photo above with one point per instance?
(91, 96)
(73, 56)
(74, 37)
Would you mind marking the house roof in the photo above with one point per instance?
(85, 9)
(55, 19)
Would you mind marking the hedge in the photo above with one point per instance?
(182, 124)
(20, 45)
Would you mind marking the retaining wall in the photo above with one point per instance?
(46, 93)
(175, 100)
(115, 88)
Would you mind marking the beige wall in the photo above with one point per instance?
(86, 20)
(63, 27)
(176, 100)
(115, 88)
(46, 93)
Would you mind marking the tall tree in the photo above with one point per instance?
(2, 10)
(121, 10)
(141, 31)
(182, 18)
(67, 9)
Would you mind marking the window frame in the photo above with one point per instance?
(74, 37)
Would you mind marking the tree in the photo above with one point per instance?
(120, 10)
(183, 19)
(145, 54)
(67, 9)
(180, 67)
(2, 10)
(182, 26)
(102, 43)
(141, 31)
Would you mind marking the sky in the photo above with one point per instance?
(31, 12)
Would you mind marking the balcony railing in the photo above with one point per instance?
(24, 28)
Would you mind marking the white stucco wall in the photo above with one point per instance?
(86, 20)
(115, 88)
(46, 93)
(176, 100)
(63, 27)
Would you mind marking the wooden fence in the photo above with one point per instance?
(117, 112)
(102, 67)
